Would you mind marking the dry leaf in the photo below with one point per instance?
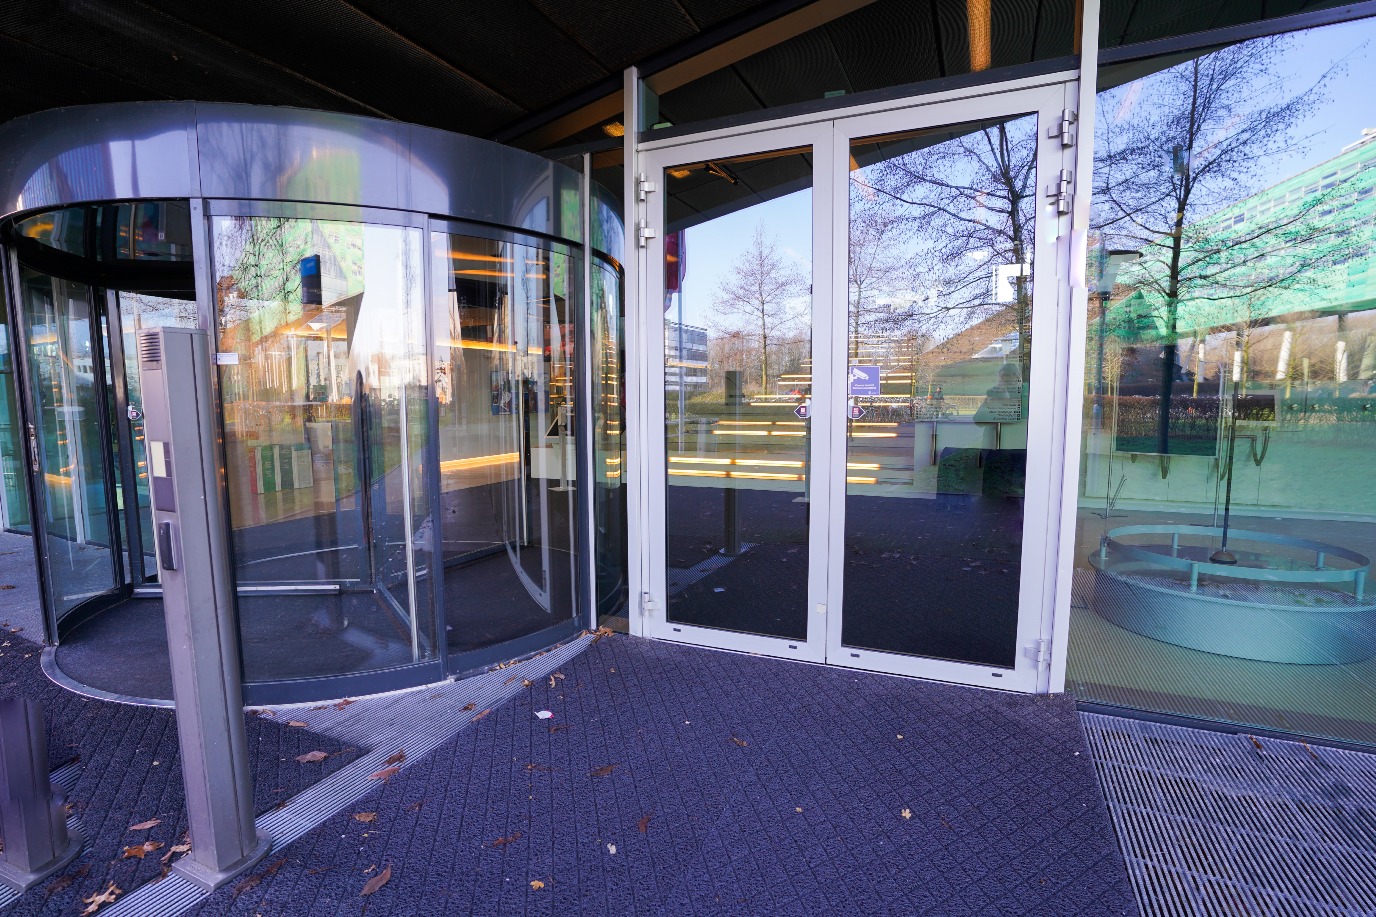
(415, 806)
(503, 841)
(536, 884)
(397, 758)
(365, 817)
(1256, 743)
(261, 712)
(140, 850)
(247, 883)
(602, 632)
(385, 774)
(312, 757)
(469, 706)
(297, 723)
(797, 808)
(377, 881)
(145, 825)
(106, 897)
(644, 824)
(481, 715)
(344, 703)
(741, 742)
(604, 771)
(184, 847)
(906, 813)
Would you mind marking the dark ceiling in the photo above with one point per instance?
(497, 68)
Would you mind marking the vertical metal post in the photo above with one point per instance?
(33, 819)
(198, 603)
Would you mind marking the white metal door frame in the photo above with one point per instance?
(816, 139)
(1050, 405)
(1049, 324)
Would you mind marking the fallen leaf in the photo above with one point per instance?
(561, 727)
(106, 897)
(481, 715)
(415, 806)
(644, 823)
(370, 870)
(385, 774)
(797, 808)
(1256, 743)
(377, 881)
(365, 817)
(297, 723)
(312, 757)
(511, 679)
(602, 632)
(556, 675)
(247, 883)
(261, 712)
(145, 825)
(503, 841)
(6, 587)
(344, 703)
(141, 850)
(906, 813)
(536, 884)
(603, 771)
(527, 683)
(469, 706)
(397, 758)
(741, 742)
(62, 883)
(184, 847)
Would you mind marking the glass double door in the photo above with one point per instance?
(850, 457)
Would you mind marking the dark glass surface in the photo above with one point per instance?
(936, 443)
(737, 364)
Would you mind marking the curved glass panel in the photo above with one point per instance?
(503, 318)
(323, 389)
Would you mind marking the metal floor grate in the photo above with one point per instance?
(417, 721)
(678, 579)
(1221, 824)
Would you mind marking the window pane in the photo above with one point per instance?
(1226, 500)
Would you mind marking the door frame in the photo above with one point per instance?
(1053, 326)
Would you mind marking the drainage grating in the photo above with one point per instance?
(677, 579)
(417, 721)
(1218, 824)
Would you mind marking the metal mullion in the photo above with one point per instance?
(133, 523)
(102, 370)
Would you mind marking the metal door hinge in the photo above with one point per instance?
(1040, 653)
(1059, 191)
(1060, 128)
(645, 185)
(646, 233)
(648, 606)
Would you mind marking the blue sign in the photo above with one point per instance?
(864, 380)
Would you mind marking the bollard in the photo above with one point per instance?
(33, 819)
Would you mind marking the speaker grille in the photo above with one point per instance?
(150, 347)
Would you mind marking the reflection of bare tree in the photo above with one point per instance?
(756, 295)
(878, 270)
(1173, 150)
(970, 202)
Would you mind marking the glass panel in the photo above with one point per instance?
(1124, 22)
(1226, 501)
(139, 311)
(609, 448)
(940, 275)
(504, 320)
(62, 342)
(737, 371)
(323, 382)
(13, 445)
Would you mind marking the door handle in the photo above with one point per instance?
(33, 448)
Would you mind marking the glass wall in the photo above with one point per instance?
(13, 443)
(323, 385)
(1227, 506)
(607, 359)
(505, 326)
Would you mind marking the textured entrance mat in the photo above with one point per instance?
(1218, 824)
(676, 780)
(121, 766)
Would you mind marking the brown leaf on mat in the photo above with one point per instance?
(503, 841)
(470, 706)
(603, 771)
(536, 884)
(62, 883)
(365, 817)
(247, 883)
(141, 850)
(741, 742)
(297, 723)
(108, 896)
(312, 757)
(481, 715)
(145, 825)
(644, 823)
(415, 806)
(377, 881)
(344, 703)
(385, 774)
(184, 847)
(397, 758)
